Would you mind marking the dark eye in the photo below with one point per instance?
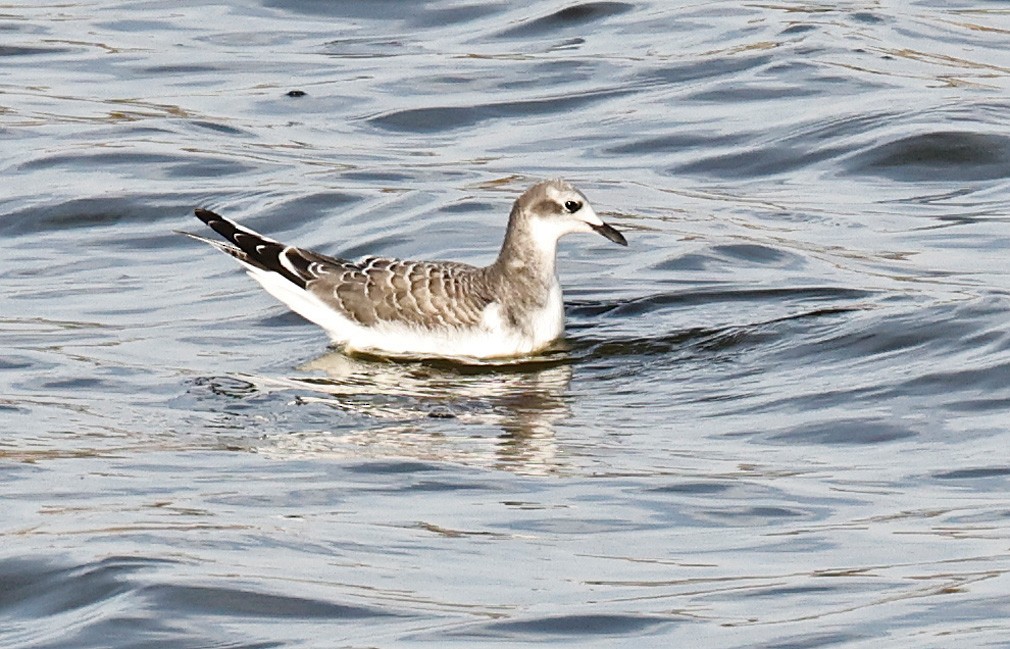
(573, 206)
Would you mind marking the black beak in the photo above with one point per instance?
(609, 232)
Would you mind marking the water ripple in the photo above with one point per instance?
(957, 155)
(778, 418)
(576, 15)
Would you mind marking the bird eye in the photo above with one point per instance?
(573, 206)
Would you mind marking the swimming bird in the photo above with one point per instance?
(512, 307)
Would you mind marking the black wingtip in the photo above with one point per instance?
(226, 228)
(251, 247)
(206, 215)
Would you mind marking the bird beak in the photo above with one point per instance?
(611, 233)
(590, 218)
(596, 223)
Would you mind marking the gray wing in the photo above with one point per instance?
(376, 290)
(368, 292)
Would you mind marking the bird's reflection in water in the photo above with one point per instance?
(434, 411)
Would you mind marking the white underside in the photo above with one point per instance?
(491, 339)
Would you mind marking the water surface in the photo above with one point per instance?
(779, 419)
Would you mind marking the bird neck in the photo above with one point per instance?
(526, 257)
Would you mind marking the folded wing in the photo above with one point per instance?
(369, 292)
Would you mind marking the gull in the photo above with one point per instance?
(432, 309)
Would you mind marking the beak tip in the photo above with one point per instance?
(611, 233)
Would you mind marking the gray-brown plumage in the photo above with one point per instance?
(510, 307)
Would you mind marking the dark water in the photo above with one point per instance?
(782, 416)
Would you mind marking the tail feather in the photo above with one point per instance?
(250, 247)
(220, 245)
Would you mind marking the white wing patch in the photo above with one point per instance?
(286, 262)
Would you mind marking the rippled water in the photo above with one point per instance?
(781, 419)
